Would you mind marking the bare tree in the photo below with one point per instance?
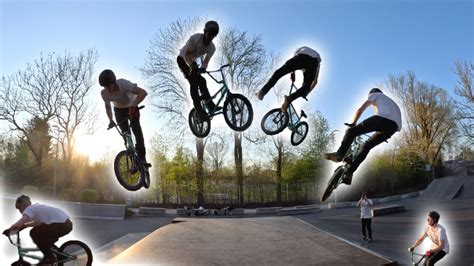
(217, 149)
(52, 90)
(27, 94)
(429, 115)
(465, 71)
(75, 74)
(247, 58)
(170, 89)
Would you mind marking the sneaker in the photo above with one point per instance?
(259, 95)
(333, 156)
(364, 238)
(347, 178)
(369, 240)
(284, 107)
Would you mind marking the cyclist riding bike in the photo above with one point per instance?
(198, 45)
(386, 121)
(437, 234)
(49, 224)
(306, 59)
(125, 96)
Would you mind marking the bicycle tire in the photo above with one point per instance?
(85, 256)
(238, 112)
(299, 133)
(333, 182)
(200, 128)
(122, 164)
(274, 121)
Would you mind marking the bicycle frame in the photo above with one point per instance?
(24, 252)
(224, 90)
(292, 123)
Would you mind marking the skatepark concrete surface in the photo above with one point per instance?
(243, 241)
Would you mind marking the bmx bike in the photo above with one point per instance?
(73, 252)
(129, 169)
(275, 121)
(347, 160)
(237, 109)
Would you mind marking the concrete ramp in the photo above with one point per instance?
(443, 189)
(467, 190)
(246, 241)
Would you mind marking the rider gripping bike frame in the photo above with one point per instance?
(386, 121)
(306, 59)
(126, 96)
(198, 45)
(49, 224)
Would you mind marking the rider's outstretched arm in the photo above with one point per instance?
(359, 111)
(108, 110)
(141, 94)
(207, 58)
(20, 223)
(420, 240)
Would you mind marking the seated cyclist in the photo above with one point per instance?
(49, 224)
(125, 96)
(437, 234)
(386, 121)
(198, 45)
(306, 59)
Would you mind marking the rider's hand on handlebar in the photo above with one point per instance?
(201, 70)
(292, 76)
(6, 232)
(349, 124)
(411, 249)
(111, 124)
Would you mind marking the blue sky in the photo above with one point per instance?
(360, 42)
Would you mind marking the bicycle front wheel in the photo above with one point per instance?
(299, 133)
(128, 170)
(238, 112)
(274, 121)
(73, 253)
(333, 182)
(200, 127)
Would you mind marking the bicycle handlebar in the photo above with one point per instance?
(139, 108)
(224, 66)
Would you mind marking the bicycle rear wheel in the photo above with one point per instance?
(299, 133)
(128, 170)
(333, 182)
(238, 112)
(77, 252)
(199, 127)
(274, 121)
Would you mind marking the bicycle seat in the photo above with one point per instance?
(303, 114)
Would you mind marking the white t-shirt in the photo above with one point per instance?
(308, 51)
(121, 98)
(386, 107)
(197, 47)
(436, 235)
(365, 209)
(45, 214)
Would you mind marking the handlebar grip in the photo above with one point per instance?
(226, 65)
(141, 107)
